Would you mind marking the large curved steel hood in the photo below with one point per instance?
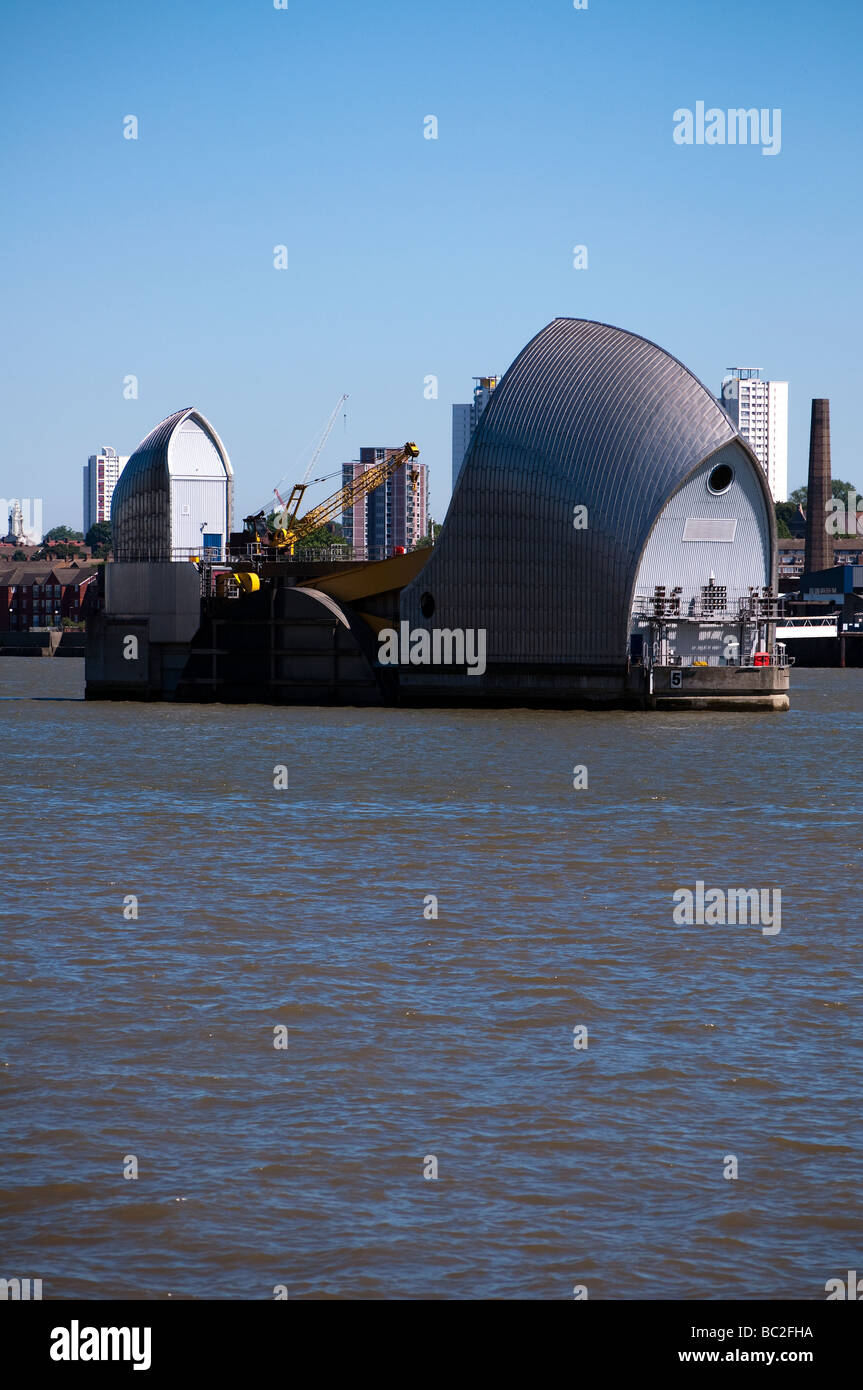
(587, 415)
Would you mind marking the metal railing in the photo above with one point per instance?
(777, 653)
(803, 621)
(714, 602)
(779, 657)
(180, 554)
(335, 554)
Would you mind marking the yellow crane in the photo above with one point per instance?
(290, 530)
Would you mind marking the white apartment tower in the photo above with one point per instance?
(101, 475)
(759, 409)
(465, 419)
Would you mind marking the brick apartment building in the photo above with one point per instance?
(33, 595)
(846, 551)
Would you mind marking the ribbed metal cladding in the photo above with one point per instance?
(739, 564)
(818, 552)
(587, 415)
(141, 505)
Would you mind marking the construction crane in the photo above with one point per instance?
(301, 487)
(291, 530)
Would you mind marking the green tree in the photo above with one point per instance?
(839, 488)
(436, 529)
(325, 537)
(787, 516)
(99, 537)
(19, 555)
(63, 533)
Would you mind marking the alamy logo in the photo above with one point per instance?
(843, 518)
(76, 1343)
(737, 126)
(437, 646)
(714, 907)
(838, 1288)
(19, 1289)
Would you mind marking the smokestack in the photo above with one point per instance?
(819, 550)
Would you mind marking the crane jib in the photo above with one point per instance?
(292, 530)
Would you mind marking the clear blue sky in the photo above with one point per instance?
(407, 256)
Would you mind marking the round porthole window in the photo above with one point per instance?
(721, 478)
(427, 605)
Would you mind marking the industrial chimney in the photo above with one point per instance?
(819, 548)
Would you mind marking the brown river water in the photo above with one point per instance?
(285, 1042)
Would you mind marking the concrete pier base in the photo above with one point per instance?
(721, 687)
(156, 638)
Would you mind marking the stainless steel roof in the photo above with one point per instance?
(141, 505)
(587, 415)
